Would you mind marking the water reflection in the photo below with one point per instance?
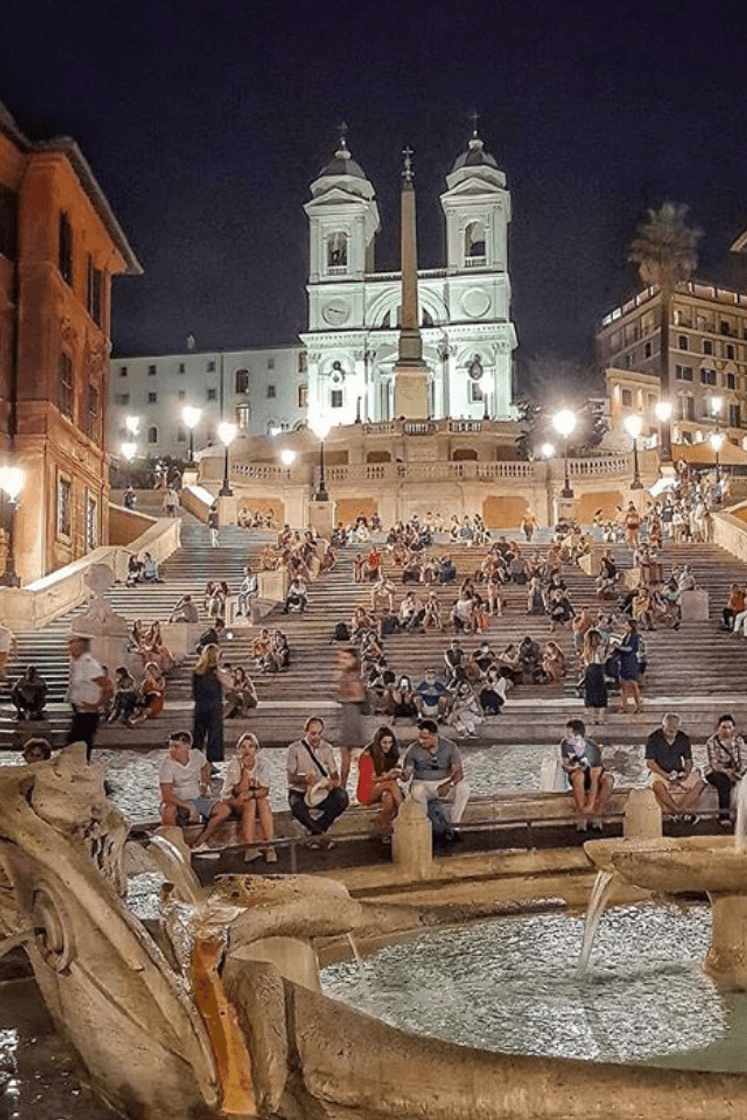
(511, 985)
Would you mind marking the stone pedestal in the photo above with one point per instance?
(694, 606)
(727, 956)
(322, 517)
(642, 816)
(565, 508)
(273, 586)
(411, 390)
(412, 842)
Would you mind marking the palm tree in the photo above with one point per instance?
(665, 250)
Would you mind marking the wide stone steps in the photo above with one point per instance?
(696, 661)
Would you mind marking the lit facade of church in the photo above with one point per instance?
(464, 308)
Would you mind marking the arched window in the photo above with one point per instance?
(153, 434)
(337, 250)
(426, 319)
(242, 380)
(474, 241)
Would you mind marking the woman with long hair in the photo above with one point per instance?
(378, 771)
(208, 680)
(245, 795)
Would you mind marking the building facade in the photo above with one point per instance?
(60, 247)
(263, 391)
(707, 359)
(464, 308)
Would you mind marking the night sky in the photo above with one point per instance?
(205, 123)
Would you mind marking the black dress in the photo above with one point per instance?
(595, 687)
(207, 692)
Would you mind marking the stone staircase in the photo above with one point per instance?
(697, 669)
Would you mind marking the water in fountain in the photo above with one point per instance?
(512, 985)
(597, 902)
(365, 990)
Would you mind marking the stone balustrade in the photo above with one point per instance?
(38, 603)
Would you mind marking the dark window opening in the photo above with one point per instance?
(65, 258)
(8, 223)
(95, 291)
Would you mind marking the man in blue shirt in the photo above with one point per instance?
(432, 697)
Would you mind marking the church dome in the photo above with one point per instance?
(475, 156)
(342, 163)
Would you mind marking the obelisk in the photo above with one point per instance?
(410, 371)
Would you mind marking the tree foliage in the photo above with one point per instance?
(665, 247)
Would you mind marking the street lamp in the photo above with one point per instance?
(11, 483)
(547, 451)
(717, 403)
(564, 422)
(320, 427)
(716, 440)
(633, 425)
(132, 424)
(191, 417)
(663, 410)
(226, 434)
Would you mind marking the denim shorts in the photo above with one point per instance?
(203, 805)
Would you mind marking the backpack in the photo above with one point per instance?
(342, 632)
(439, 817)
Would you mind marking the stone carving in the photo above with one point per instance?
(99, 618)
(68, 333)
(214, 1010)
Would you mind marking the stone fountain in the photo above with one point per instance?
(214, 1010)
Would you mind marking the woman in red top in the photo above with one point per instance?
(378, 771)
(734, 606)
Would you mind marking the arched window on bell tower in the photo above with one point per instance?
(337, 251)
(474, 244)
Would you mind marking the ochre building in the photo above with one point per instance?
(60, 246)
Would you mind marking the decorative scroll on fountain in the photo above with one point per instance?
(215, 1010)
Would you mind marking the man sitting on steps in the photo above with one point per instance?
(669, 758)
(315, 796)
(435, 765)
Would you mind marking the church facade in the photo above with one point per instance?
(464, 308)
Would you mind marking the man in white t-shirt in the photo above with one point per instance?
(84, 692)
(184, 777)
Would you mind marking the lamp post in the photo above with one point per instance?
(320, 427)
(191, 417)
(633, 426)
(564, 422)
(226, 434)
(129, 451)
(288, 458)
(716, 440)
(11, 483)
(132, 424)
(547, 451)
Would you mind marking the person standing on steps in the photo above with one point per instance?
(85, 692)
(208, 680)
(351, 696)
(213, 523)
